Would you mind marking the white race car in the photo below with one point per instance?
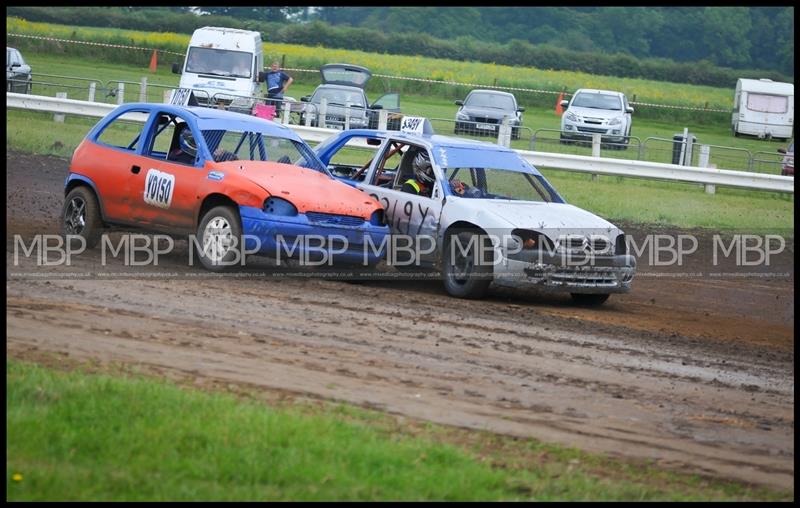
(487, 217)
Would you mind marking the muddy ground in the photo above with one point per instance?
(693, 372)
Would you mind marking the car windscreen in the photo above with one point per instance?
(338, 97)
(493, 183)
(219, 62)
(597, 101)
(227, 145)
(490, 100)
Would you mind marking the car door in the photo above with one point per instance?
(390, 102)
(413, 219)
(163, 191)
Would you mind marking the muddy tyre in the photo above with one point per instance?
(463, 274)
(80, 216)
(585, 300)
(219, 235)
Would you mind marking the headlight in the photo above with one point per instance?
(279, 206)
(462, 116)
(532, 239)
(615, 121)
(572, 117)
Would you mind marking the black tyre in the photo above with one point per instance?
(585, 300)
(514, 133)
(220, 238)
(80, 216)
(463, 274)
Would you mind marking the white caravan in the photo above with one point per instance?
(763, 108)
(222, 66)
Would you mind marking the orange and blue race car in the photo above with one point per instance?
(235, 183)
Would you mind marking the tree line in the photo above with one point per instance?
(711, 46)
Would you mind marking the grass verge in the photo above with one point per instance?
(78, 435)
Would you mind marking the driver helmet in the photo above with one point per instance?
(188, 143)
(423, 171)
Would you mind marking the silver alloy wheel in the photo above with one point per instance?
(217, 239)
(75, 216)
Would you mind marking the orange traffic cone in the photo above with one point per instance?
(153, 62)
(559, 109)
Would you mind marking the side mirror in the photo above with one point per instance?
(376, 106)
(307, 98)
(564, 104)
(261, 76)
(521, 109)
(373, 141)
(459, 102)
(176, 68)
(629, 109)
(16, 64)
(782, 150)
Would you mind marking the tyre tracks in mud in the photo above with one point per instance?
(697, 376)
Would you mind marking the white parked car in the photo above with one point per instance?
(597, 111)
(486, 216)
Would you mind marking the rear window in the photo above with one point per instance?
(767, 103)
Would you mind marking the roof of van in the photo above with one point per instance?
(229, 30)
(766, 85)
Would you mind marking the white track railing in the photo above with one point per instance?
(574, 163)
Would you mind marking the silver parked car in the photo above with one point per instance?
(18, 73)
(597, 111)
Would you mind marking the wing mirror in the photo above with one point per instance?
(564, 104)
(629, 109)
(307, 98)
(373, 141)
(782, 150)
(376, 106)
(521, 109)
(459, 102)
(176, 68)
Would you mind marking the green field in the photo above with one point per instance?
(83, 436)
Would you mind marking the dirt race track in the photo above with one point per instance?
(694, 373)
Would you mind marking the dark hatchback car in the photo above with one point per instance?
(18, 73)
(342, 86)
(482, 112)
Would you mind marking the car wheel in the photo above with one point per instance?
(220, 236)
(463, 274)
(81, 216)
(593, 300)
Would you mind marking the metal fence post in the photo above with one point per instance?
(121, 93)
(92, 91)
(596, 152)
(705, 155)
(504, 133)
(59, 117)
(143, 90)
(287, 110)
(323, 111)
(383, 119)
(307, 116)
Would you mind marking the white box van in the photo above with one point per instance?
(222, 66)
(763, 108)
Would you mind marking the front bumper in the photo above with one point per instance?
(582, 130)
(572, 274)
(313, 237)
